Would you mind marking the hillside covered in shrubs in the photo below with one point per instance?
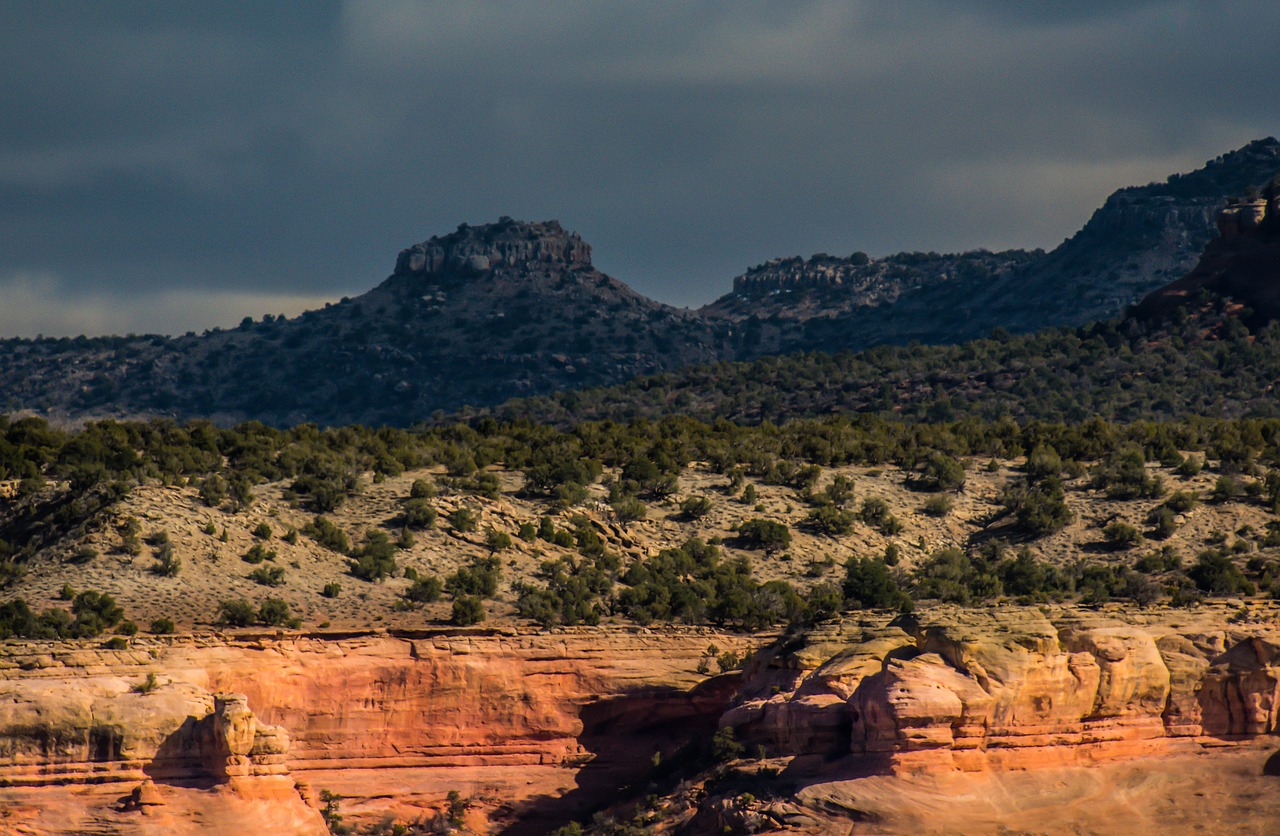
(677, 520)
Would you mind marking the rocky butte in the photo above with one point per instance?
(872, 718)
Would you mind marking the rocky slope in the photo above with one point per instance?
(534, 729)
(1241, 265)
(512, 309)
(475, 316)
(1141, 238)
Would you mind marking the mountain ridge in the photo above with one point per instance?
(517, 309)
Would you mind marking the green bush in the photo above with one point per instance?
(268, 575)
(478, 579)
(938, 506)
(424, 590)
(463, 520)
(263, 531)
(323, 531)
(236, 613)
(376, 559)
(162, 626)
(769, 535)
(274, 612)
(695, 507)
(331, 590)
(418, 513)
(257, 553)
(1121, 535)
(467, 610)
(831, 521)
(870, 584)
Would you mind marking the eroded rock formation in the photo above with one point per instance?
(1011, 687)
(536, 726)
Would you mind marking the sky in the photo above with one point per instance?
(171, 166)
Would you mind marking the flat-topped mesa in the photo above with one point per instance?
(473, 250)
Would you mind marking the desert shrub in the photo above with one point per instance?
(831, 520)
(573, 591)
(424, 590)
(875, 513)
(162, 626)
(956, 576)
(418, 513)
(1180, 502)
(268, 575)
(236, 613)
(870, 584)
(1039, 509)
(213, 490)
(1123, 474)
(725, 746)
(695, 507)
(462, 520)
(940, 473)
(376, 559)
(629, 509)
(324, 532)
(769, 535)
(1043, 463)
(1165, 559)
(824, 601)
(1226, 489)
(938, 506)
(1216, 574)
(497, 541)
(274, 612)
(1163, 523)
(263, 531)
(480, 578)
(467, 610)
(258, 553)
(1121, 535)
(167, 564)
(422, 489)
(1027, 577)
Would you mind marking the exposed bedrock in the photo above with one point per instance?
(1015, 687)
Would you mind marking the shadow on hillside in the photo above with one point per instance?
(622, 735)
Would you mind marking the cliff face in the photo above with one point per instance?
(1241, 265)
(534, 729)
(1012, 687)
(531, 727)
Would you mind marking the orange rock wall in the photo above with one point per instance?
(1012, 687)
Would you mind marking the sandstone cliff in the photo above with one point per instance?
(534, 729)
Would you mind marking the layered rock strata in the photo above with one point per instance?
(1011, 687)
(534, 726)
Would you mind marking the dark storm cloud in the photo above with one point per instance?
(156, 157)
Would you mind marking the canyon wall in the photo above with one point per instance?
(534, 727)
(1013, 687)
(222, 733)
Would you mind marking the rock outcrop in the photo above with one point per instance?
(1240, 267)
(534, 727)
(1013, 687)
(475, 250)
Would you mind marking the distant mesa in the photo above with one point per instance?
(473, 250)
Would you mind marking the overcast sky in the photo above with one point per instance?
(172, 165)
